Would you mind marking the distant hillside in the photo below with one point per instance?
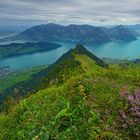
(134, 27)
(122, 33)
(77, 33)
(11, 79)
(15, 49)
(74, 62)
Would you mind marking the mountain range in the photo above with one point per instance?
(77, 33)
(135, 27)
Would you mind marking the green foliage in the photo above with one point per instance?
(15, 49)
(16, 77)
(86, 109)
(84, 106)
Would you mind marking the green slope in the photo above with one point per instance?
(16, 77)
(63, 69)
(91, 104)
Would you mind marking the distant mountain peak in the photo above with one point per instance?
(123, 33)
(121, 27)
(52, 24)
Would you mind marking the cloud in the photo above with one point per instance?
(71, 11)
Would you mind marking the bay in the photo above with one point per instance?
(130, 50)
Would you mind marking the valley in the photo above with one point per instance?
(4, 71)
(9, 79)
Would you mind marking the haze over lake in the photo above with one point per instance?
(130, 50)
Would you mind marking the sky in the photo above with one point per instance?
(94, 12)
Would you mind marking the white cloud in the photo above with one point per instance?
(71, 11)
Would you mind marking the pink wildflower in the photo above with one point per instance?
(130, 98)
(137, 94)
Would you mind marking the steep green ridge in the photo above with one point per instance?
(15, 49)
(63, 69)
(89, 102)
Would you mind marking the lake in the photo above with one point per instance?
(130, 50)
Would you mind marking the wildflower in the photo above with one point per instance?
(81, 88)
(137, 94)
(130, 98)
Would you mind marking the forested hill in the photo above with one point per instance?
(17, 49)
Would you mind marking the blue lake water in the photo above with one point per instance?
(130, 50)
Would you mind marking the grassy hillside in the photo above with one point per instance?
(63, 69)
(95, 103)
(16, 77)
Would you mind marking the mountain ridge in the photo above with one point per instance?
(66, 66)
(76, 33)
